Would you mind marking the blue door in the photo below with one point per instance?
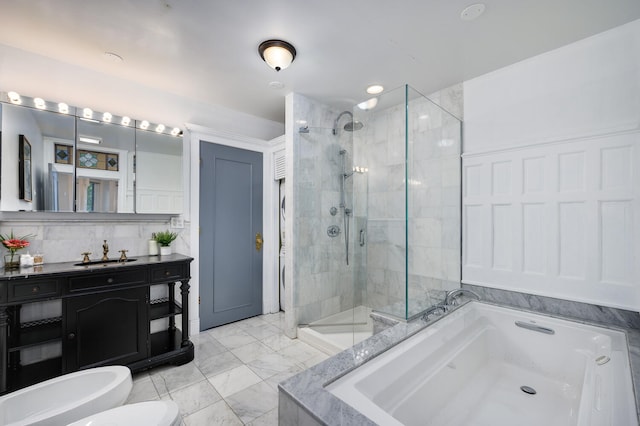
(230, 234)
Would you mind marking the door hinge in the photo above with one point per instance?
(198, 300)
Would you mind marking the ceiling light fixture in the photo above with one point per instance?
(472, 12)
(87, 139)
(374, 89)
(277, 54)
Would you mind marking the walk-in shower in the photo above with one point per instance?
(396, 185)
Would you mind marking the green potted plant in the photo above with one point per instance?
(164, 239)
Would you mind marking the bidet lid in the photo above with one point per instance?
(161, 413)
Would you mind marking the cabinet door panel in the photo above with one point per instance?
(105, 329)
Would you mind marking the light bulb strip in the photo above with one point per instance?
(87, 114)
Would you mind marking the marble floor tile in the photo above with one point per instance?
(248, 353)
(217, 364)
(218, 413)
(171, 379)
(277, 341)
(268, 419)
(234, 380)
(195, 397)
(253, 401)
(143, 390)
(262, 331)
(237, 339)
(269, 365)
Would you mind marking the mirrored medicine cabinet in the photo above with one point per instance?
(59, 158)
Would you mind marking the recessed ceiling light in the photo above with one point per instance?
(112, 57)
(368, 104)
(472, 12)
(374, 89)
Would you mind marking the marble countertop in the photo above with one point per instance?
(77, 267)
(308, 387)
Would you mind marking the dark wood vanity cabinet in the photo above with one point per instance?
(106, 317)
(89, 340)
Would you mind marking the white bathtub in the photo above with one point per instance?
(469, 367)
(67, 398)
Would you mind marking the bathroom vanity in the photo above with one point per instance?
(106, 314)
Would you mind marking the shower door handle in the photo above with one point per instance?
(362, 238)
(259, 242)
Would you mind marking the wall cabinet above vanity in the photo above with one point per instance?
(57, 158)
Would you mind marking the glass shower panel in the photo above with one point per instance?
(433, 202)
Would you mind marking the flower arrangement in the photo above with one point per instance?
(13, 244)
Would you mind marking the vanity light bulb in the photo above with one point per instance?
(107, 117)
(144, 125)
(14, 97)
(125, 121)
(39, 103)
(160, 128)
(63, 108)
(87, 113)
(366, 169)
(175, 131)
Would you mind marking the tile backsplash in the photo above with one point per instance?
(64, 241)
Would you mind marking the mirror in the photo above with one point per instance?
(56, 158)
(158, 173)
(51, 186)
(104, 167)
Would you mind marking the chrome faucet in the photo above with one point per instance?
(453, 295)
(438, 309)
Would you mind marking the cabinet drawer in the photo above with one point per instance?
(107, 280)
(170, 272)
(33, 289)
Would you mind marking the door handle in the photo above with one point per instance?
(259, 242)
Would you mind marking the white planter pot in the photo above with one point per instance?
(165, 250)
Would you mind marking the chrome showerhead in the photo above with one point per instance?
(351, 126)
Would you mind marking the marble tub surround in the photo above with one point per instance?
(304, 400)
(601, 315)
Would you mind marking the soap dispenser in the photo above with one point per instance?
(153, 245)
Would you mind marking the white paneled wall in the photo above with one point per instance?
(560, 219)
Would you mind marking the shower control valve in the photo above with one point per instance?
(333, 231)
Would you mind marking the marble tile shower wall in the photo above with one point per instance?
(322, 282)
(434, 202)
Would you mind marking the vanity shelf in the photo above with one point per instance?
(37, 333)
(163, 308)
(106, 317)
